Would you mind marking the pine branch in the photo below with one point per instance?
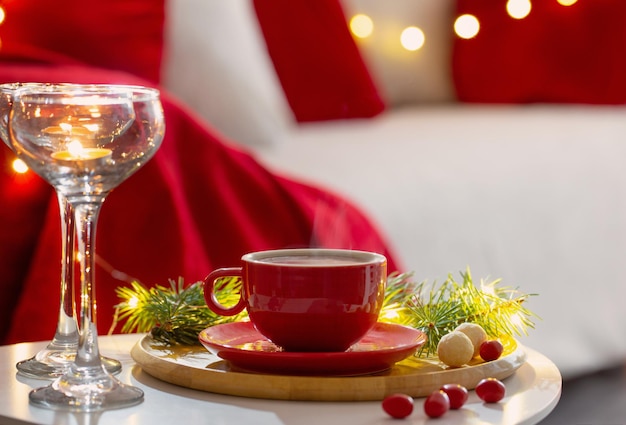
(176, 314)
(499, 310)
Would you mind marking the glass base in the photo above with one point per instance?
(86, 393)
(51, 364)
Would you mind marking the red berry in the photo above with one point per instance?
(490, 390)
(437, 404)
(398, 405)
(457, 394)
(491, 350)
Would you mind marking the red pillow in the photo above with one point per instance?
(316, 59)
(125, 35)
(556, 54)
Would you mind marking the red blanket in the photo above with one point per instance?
(201, 203)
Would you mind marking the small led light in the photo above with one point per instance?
(2, 15)
(412, 38)
(133, 302)
(361, 25)
(466, 26)
(19, 166)
(391, 315)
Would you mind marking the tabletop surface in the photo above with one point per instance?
(532, 392)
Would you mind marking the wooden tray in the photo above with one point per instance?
(195, 367)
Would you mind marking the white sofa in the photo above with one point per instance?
(534, 195)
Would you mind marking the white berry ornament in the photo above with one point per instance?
(475, 333)
(455, 349)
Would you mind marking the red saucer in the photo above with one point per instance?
(244, 347)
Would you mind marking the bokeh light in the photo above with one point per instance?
(19, 166)
(518, 9)
(412, 38)
(361, 25)
(466, 26)
(566, 2)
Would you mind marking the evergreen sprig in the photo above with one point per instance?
(178, 313)
(174, 314)
(439, 309)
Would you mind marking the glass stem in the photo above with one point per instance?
(86, 217)
(66, 334)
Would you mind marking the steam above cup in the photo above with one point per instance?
(306, 300)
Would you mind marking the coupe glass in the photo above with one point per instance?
(85, 141)
(53, 360)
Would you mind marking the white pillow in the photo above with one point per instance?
(216, 61)
(403, 76)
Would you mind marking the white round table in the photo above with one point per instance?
(532, 392)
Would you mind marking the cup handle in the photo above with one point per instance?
(209, 292)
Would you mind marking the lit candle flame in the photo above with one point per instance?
(67, 129)
(76, 148)
(75, 151)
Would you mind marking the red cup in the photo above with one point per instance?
(305, 300)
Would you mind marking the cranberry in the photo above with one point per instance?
(437, 404)
(456, 393)
(490, 390)
(398, 405)
(491, 350)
